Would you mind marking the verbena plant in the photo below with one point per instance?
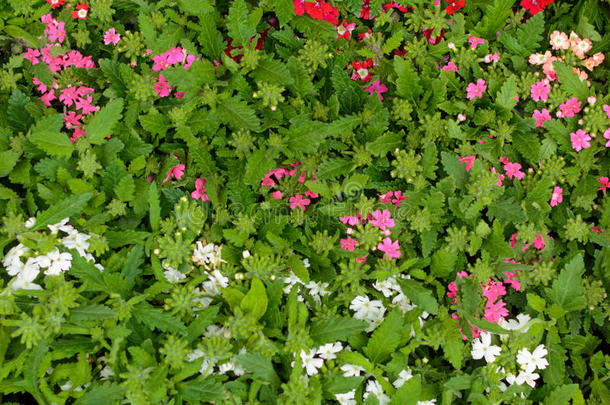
(300, 202)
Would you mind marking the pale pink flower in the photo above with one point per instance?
(391, 249)
(559, 40)
(580, 140)
(580, 47)
(607, 136)
(537, 59)
(556, 196)
(111, 36)
(476, 90)
(382, 220)
(349, 219)
(492, 57)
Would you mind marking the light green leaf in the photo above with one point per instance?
(333, 329)
(386, 338)
(238, 114)
(567, 290)
(239, 25)
(255, 302)
(91, 312)
(259, 367)
(385, 143)
(156, 318)
(155, 206)
(67, 207)
(570, 82)
(8, 159)
(103, 121)
(419, 294)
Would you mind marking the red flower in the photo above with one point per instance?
(55, 3)
(535, 6)
(321, 11)
(299, 7)
(81, 11)
(455, 6)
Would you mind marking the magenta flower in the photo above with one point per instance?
(176, 171)
(111, 36)
(538, 242)
(557, 196)
(349, 244)
(541, 117)
(349, 219)
(276, 195)
(605, 183)
(469, 161)
(48, 97)
(493, 312)
(32, 55)
(513, 170)
(398, 197)
(474, 41)
(200, 192)
(376, 87)
(476, 90)
(493, 290)
(85, 105)
(607, 136)
(580, 140)
(160, 62)
(68, 96)
(450, 67)
(267, 181)
(390, 248)
(510, 280)
(41, 86)
(299, 201)
(540, 91)
(382, 219)
(72, 119)
(607, 110)
(162, 87)
(570, 107)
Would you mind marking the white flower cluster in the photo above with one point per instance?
(373, 387)
(25, 264)
(483, 348)
(311, 363)
(529, 362)
(317, 290)
(369, 311)
(208, 256)
(208, 364)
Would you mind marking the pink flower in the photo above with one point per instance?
(557, 196)
(510, 280)
(299, 201)
(111, 37)
(474, 41)
(540, 91)
(41, 86)
(493, 290)
(580, 140)
(85, 105)
(607, 110)
(607, 136)
(55, 31)
(391, 249)
(541, 117)
(386, 198)
(476, 90)
(376, 87)
(48, 97)
(47, 18)
(176, 171)
(382, 219)
(349, 244)
(160, 62)
(267, 181)
(398, 197)
(538, 242)
(513, 170)
(276, 195)
(450, 67)
(493, 312)
(500, 177)
(311, 194)
(175, 55)
(200, 192)
(596, 229)
(302, 177)
(72, 119)
(68, 96)
(559, 40)
(570, 107)
(605, 183)
(361, 259)
(349, 219)
(78, 132)
(469, 161)
(495, 57)
(189, 61)
(32, 55)
(162, 87)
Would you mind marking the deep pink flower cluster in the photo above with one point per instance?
(394, 197)
(512, 169)
(174, 56)
(297, 200)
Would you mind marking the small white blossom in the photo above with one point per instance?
(329, 350)
(311, 363)
(306, 263)
(403, 377)
(207, 367)
(12, 259)
(367, 310)
(528, 378)
(317, 290)
(351, 370)
(78, 241)
(374, 388)
(346, 398)
(430, 402)
(214, 283)
(291, 280)
(62, 226)
(106, 373)
(515, 324)
(483, 348)
(55, 262)
(30, 222)
(387, 286)
(194, 355)
(530, 361)
(27, 275)
(207, 256)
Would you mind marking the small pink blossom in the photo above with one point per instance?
(68, 96)
(511, 281)
(361, 259)
(111, 37)
(539, 91)
(276, 195)
(493, 312)
(267, 181)
(387, 197)
(176, 172)
(513, 170)
(580, 140)
(349, 220)
(200, 192)
(493, 290)
(299, 201)
(84, 104)
(556, 196)
(382, 220)
(71, 119)
(541, 117)
(606, 108)
(162, 87)
(78, 132)
(41, 86)
(450, 67)
(391, 249)
(32, 55)
(538, 242)
(48, 97)
(469, 161)
(349, 244)
(376, 86)
(474, 41)
(476, 90)
(398, 197)
(495, 57)
(607, 136)
(311, 194)
(605, 183)
(570, 107)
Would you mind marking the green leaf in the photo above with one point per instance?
(31, 371)
(18, 116)
(409, 393)
(336, 328)
(239, 25)
(259, 367)
(18, 32)
(561, 395)
(494, 19)
(272, 71)
(537, 303)
(156, 318)
(570, 82)
(329, 169)
(392, 43)
(443, 262)
(8, 159)
(257, 166)
(67, 207)
(210, 39)
(419, 294)
(506, 96)
(454, 168)
(255, 301)
(91, 312)
(506, 209)
(238, 114)
(201, 389)
(88, 274)
(528, 145)
(386, 338)
(155, 206)
(105, 394)
(486, 325)
(133, 264)
(155, 123)
(407, 84)
(103, 121)
(385, 143)
(567, 290)
(125, 189)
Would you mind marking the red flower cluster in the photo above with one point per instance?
(318, 10)
(361, 70)
(455, 6)
(535, 6)
(393, 4)
(56, 3)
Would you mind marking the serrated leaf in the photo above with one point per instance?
(561, 395)
(570, 82)
(132, 267)
(30, 371)
(255, 301)
(506, 96)
(239, 26)
(454, 168)
(155, 207)
(103, 121)
(52, 142)
(452, 343)
(506, 209)
(210, 39)
(67, 207)
(91, 312)
(409, 393)
(385, 143)
(567, 290)
(201, 388)
(257, 166)
(331, 330)
(156, 124)
(386, 337)
(8, 159)
(332, 168)
(125, 189)
(238, 114)
(156, 318)
(528, 145)
(105, 394)
(18, 116)
(443, 262)
(272, 71)
(392, 43)
(259, 367)
(494, 18)
(407, 84)
(419, 294)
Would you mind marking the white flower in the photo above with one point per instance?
(207, 367)
(311, 363)
(528, 378)
(483, 348)
(531, 361)
(194, 355)
(317, 290)
(403, 377)
(291, 280)
(78, 241)
(55, 262)
(215, 330)
(12, 259)
(387, 286)
(26, 276)
(30, 222)
(403, 302)
(374, 388)
(328, 351)
(351, 370)
(62, 226)
(306, 263)
(346, 398)
(515, 324)
(430, 402)
(106, 373)
(208, 255)
(173, 276)
(216, 281)
(370, 311)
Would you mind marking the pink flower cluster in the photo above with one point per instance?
(512, 169)
(200, 192)
(378, 219)
(538, 242)
(476, 90)
(394, 197)
(295, 201)
(172, 57)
